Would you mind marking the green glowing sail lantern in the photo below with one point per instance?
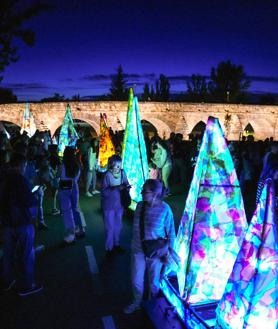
(134, 153)
(68, 135)
(213, 224)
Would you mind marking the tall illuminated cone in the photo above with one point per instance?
(250, 299)
(106, 146)
(68, 135)
(28, 122)
(134, 153)
(213, 224)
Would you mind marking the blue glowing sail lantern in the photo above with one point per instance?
(213, 224)
(134, 153)
(68, 135)
(250, 299)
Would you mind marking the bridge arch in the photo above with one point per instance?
(10, 127)
(90, 119)
(163, 129)
(198, 129)
(4, 117)
(148, 127)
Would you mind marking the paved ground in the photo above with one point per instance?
(78, 292)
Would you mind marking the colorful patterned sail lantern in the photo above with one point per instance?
(250, 299)
(28, 122)
(213, 224)
(106, 146)
(68, 135)
(134, 153)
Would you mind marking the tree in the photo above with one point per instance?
(55, 98)
(197, 88)
(7, 96)
(75, 97)
(228, 83)
(267, 99)
(162, 88)
(146, 96)
(11, 22)
(118, 90)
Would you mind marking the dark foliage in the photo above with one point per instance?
(118, 90)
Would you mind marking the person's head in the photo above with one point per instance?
(153, 191)
(115, 164)
(69, 153)
(274, 148)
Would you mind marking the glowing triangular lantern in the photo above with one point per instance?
(28, 122)
(106, 146)
(250, 299)
(213, 224)
(134, 153)
(68, 135)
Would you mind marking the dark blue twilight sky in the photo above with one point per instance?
(81, 42)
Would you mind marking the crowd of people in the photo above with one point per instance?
(29, 166)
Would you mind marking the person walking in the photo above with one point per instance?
(18, 216)
(68, 195)
(114, 181)
(158, 223)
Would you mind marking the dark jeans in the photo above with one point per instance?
(18, 255)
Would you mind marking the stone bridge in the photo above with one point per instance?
(165, 117)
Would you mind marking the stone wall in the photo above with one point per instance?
(166, 117)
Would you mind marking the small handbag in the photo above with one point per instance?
(151, 248)
(65, 184)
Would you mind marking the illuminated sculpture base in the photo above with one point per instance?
(171, 311)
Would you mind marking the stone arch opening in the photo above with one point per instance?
(249, 131)
(162, 128)
(10, 127)
(148, 128)
(198, 130)
(83, 128)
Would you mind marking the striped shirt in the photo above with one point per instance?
(159, 222)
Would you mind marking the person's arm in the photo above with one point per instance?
(125, 181)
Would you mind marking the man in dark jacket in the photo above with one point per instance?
(17, 216)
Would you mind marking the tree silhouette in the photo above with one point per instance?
(146, 96)
(11, 21)
(7, 96)
(197, 89)
(55, 98)
(76, 97)
(228, 83)
(162, 89)
(118, 90)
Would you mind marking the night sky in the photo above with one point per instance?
(79, 44)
